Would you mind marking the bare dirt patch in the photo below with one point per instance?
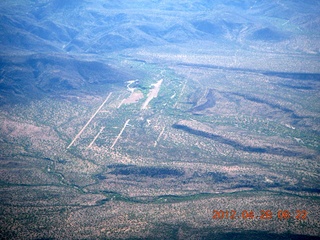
(134, 97)
(152, 94)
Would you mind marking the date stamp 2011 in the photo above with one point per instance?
(262, 214)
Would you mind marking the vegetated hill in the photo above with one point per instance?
(267, 34)
(153, 172)
(59, 28)
(99, 26)
(32, 76)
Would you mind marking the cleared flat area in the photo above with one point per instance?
(92, 117)
(181, 92)
(119, 135)
(152, 94)
(95, 138)
(160, 134)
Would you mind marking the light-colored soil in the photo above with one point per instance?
(20, 129)
(134, 97)
(152, 94)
